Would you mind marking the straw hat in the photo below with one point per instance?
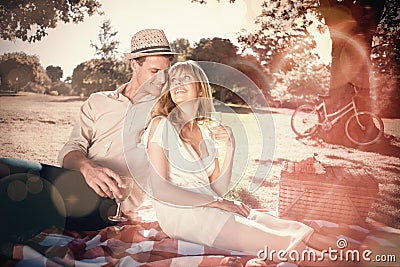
(149, 42)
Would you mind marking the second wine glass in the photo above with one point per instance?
(126, 189)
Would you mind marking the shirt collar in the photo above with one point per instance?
(117, 95)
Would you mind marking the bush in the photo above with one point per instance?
(53, 92)
(61, 88)
(34, 87)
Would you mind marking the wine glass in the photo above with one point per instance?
(126, 189)
(213, 119)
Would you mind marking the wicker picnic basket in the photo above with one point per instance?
(309, 190)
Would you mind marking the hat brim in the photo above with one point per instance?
(137, 55)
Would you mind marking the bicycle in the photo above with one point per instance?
(361, 128)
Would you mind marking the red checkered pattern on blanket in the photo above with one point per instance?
(142, 243)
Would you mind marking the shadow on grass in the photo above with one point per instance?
(388, 146)
(6, 94)
(391, 168)
(354, 163)
(262, 181)
(71, 99)
(242, 109)
(385, 209)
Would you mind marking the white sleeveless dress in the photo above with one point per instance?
(203, 225)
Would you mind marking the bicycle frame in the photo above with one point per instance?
(337, 115)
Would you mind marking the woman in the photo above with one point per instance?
(188, 182)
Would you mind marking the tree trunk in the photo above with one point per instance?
(351, 26)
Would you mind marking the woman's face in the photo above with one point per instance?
(183, 87)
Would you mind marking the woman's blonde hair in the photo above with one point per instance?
(166, 107)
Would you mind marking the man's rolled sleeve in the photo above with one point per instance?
(81, 135)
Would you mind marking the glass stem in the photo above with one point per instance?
(119, 209)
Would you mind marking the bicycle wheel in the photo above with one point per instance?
(305, 120)
(365, 130)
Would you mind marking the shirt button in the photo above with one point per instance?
(113, 95)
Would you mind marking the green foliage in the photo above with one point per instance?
(294, 87)
(285, 47)
(108, 46)
(181, 46)
(34, 88)
(29, 20)
(223, 51)
(18, 69)
(104, 73)
(298, 76)
(282, 42)
(251, 67)
(55, 73)
(216, 50)
(281, 25)
(386, 62)
(99, 75)
(61, 88)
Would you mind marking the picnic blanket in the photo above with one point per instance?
(142, 243)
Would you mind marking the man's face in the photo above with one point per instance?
(151, 73)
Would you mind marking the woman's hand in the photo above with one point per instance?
(231, 206)
(223, 133)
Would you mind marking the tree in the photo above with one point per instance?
(223, 51)
(62, 88)
(17, 70)
(181, 46)
(298, 73)
(351, 26)
(286, 48)
(282, 26)
(299, 85)
(108, 46)
(106, 72)
(216, 50)
(55, 73)
(99, 75)
(251, 67)
(29, 20)
(385, 58)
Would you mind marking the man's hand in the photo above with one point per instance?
(102, 180)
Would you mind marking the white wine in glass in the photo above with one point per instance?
(125, 189)
(213, 119)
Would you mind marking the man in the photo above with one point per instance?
(78, 196)
(96, 144)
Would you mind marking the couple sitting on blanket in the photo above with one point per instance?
(185, 177)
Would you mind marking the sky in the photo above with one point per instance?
(68, 45)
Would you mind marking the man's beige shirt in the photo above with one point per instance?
(107, 133)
